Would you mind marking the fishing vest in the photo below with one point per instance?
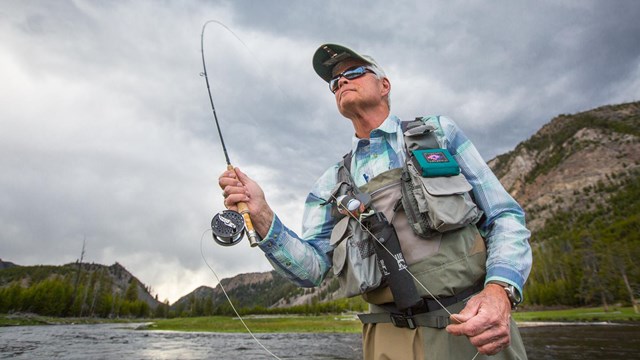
(434, 217)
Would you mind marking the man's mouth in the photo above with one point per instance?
(342, 92)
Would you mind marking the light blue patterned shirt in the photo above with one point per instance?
(305, 259)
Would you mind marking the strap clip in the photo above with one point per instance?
(403, 321)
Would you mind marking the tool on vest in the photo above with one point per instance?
(227, 226)
(354, 205)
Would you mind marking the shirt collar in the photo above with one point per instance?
(389, 126)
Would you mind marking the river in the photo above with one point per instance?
(123, 342)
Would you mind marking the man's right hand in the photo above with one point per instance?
(238, 187)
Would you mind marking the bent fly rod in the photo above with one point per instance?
(228, 226)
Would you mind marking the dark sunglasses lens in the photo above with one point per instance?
(349, 74)
(333, 84)
(355, 73)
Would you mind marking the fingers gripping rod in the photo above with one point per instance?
(228, 233)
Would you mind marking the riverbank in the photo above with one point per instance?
(25, 319)
(321, 323)
(589, 315)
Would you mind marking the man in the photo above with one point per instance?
(361, 90)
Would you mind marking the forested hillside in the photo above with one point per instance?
(590, 257)
(78, 289)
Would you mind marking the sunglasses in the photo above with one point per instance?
(349, 74)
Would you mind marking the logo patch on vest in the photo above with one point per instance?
(400, 259)
(383, 267)
(436, 157)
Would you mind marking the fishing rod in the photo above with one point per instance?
(228, 226)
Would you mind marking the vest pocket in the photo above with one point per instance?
(357, 270)
(437, 203)
(339, 237)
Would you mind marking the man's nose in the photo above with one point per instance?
(343, 80)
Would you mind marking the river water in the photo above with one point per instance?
(124, 342)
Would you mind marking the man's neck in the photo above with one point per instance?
(364, 123)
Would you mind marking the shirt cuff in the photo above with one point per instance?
(270, 243)
(506, 275)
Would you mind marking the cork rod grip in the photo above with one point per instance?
(243, 209)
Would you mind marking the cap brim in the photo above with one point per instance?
(328, 55)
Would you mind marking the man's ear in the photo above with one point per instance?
(386, 87)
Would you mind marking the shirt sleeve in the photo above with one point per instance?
(509, 256)
(306, 259)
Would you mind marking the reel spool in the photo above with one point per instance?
(227, 227)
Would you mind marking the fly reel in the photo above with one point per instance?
(227, 227)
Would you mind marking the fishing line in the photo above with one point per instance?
(229, 299)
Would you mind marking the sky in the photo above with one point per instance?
(107, 136)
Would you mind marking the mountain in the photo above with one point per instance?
(558, 167)
(253, 290)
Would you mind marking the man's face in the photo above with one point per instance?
(360, 92)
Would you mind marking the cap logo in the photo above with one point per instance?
(334, 57)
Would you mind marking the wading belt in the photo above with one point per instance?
(431, 314)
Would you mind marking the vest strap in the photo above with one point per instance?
(405, 321)
(430, 315)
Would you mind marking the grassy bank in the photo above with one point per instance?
(314, 324)
(579, 315)
(333, 323)
(262, 324)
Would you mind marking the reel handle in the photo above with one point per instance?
(243, 209)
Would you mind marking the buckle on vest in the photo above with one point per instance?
(403, 321)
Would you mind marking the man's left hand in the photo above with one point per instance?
(485, 320)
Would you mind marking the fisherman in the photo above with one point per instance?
(475, 269)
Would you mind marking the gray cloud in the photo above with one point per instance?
(107, 134)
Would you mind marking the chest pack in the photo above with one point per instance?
(428, 202)
(436, 197)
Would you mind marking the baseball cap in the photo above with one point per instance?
(328, 55)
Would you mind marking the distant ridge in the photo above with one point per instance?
(6, 264)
